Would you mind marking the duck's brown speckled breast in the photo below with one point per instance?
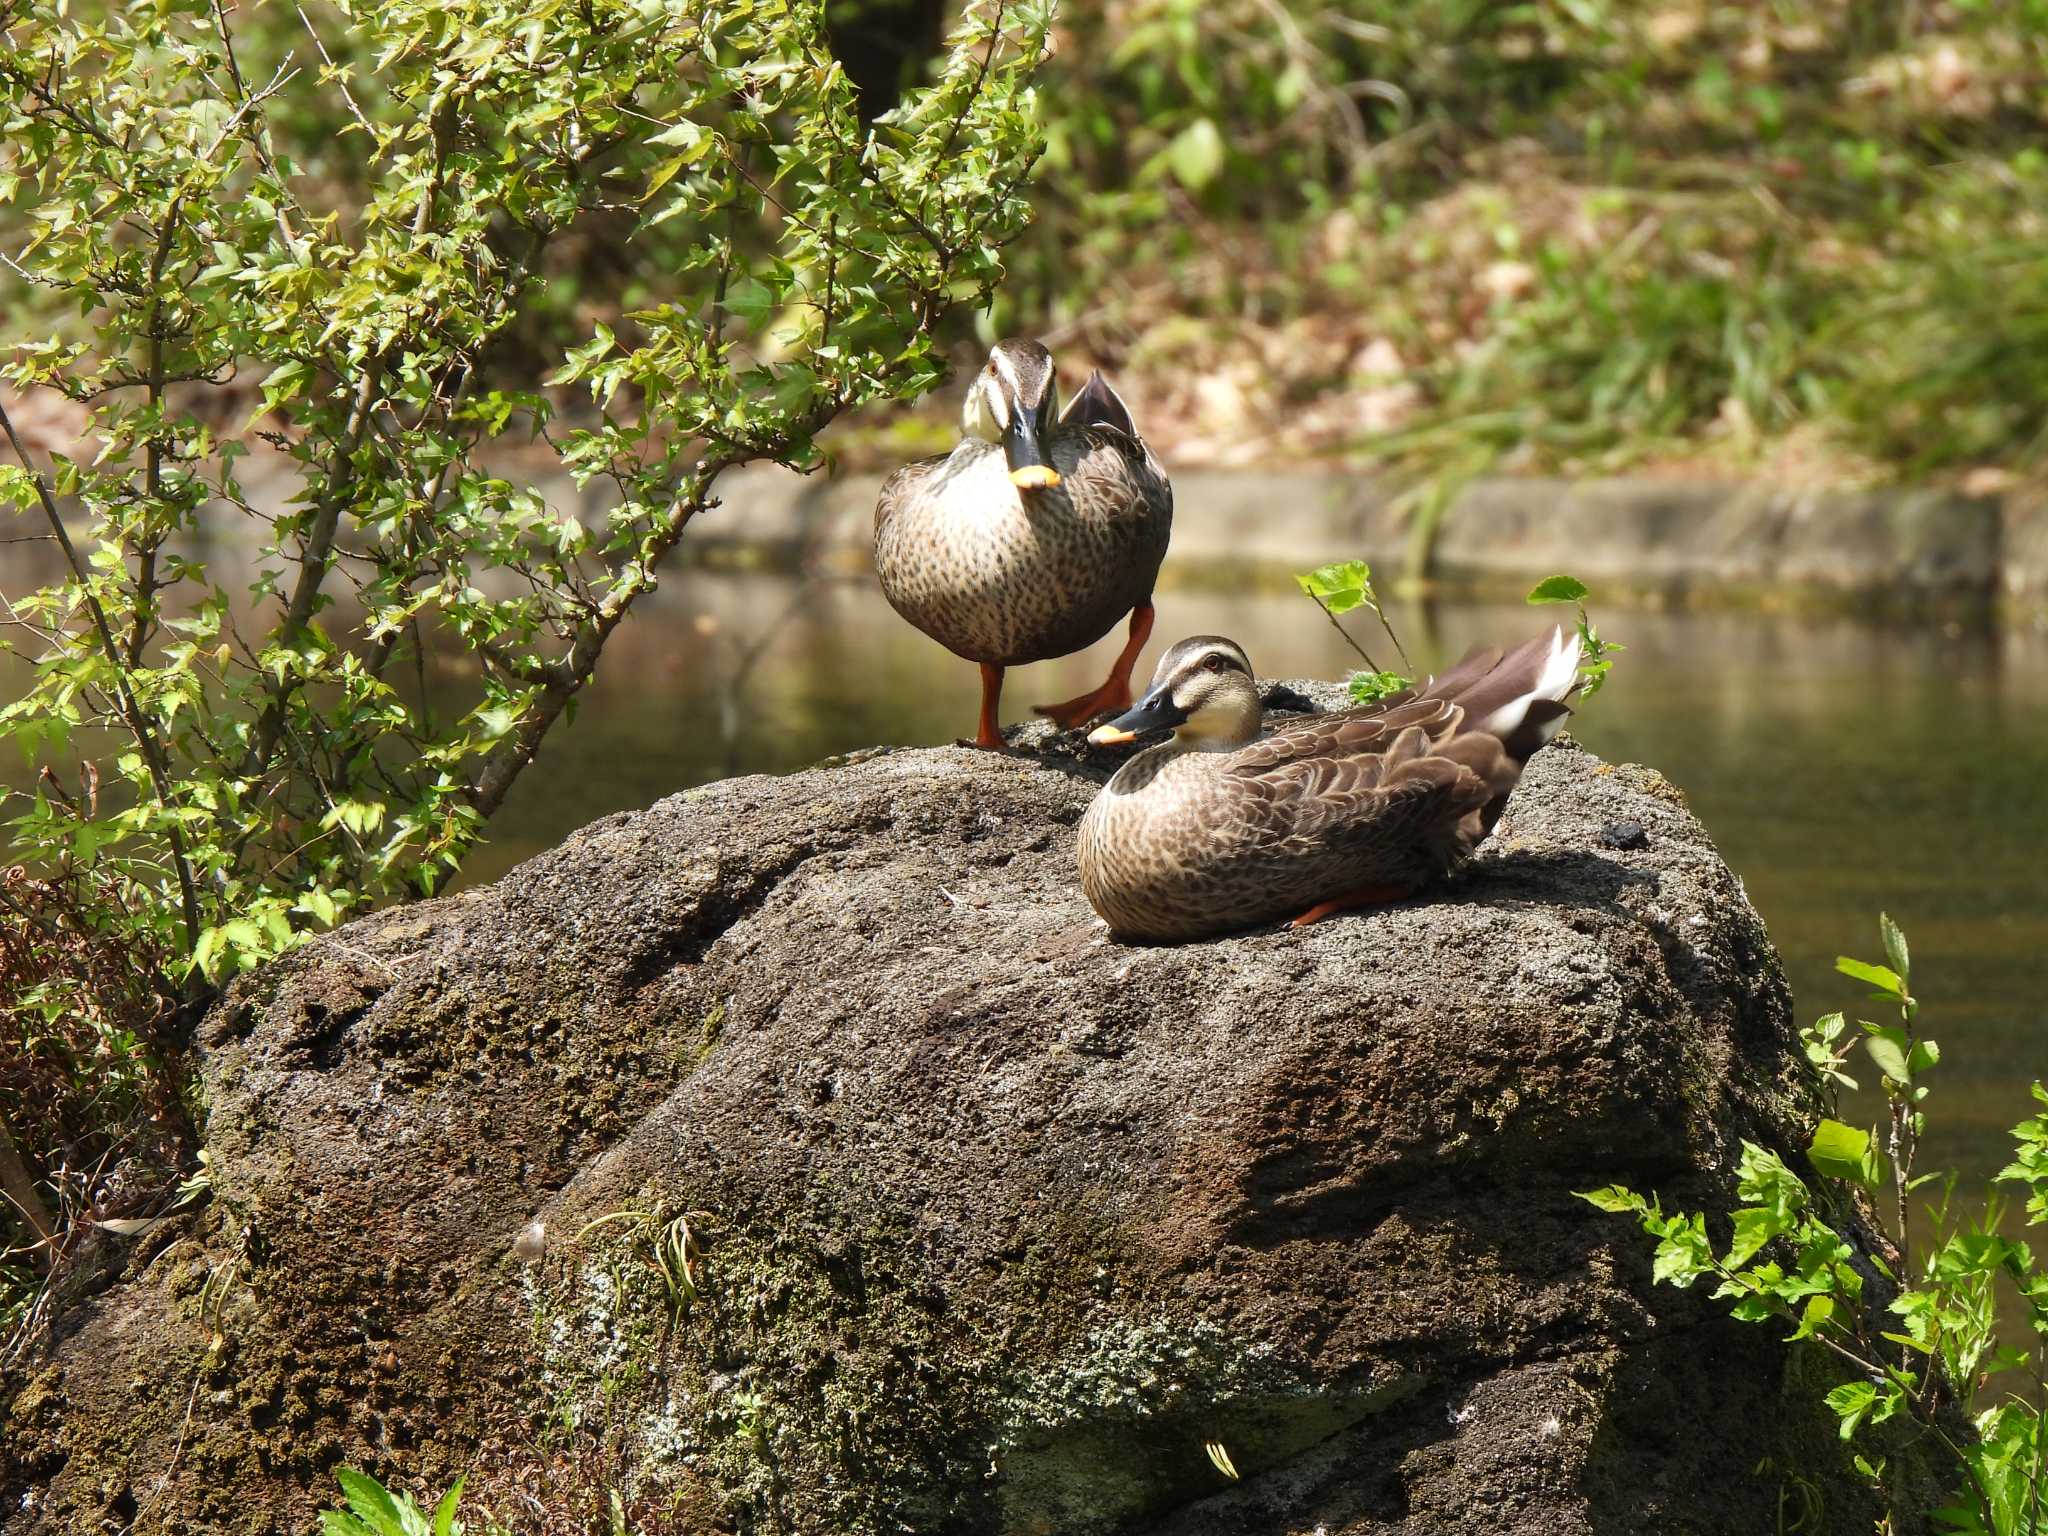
(1001, 576)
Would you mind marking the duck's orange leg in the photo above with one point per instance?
(1363, 896)
(1114, 696)
(989, 736)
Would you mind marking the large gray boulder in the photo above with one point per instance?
(921, 1206)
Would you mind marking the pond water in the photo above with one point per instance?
(1843, 768)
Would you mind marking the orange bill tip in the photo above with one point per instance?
(1109, 736)
(1035, 477)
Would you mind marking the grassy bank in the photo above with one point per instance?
(1803, 237)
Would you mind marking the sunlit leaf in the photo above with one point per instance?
(1559, 589)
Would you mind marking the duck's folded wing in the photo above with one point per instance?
(901, 488)
(1350, 734)
(1411, 788)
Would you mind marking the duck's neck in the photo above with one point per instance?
(1208, 735)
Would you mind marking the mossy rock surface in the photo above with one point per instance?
(921, 1206)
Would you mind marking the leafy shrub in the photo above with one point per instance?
(95, 1105)
(316, 352)
(1790, 1259)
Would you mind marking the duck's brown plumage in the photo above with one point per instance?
(1185, 842)
(1005, 576)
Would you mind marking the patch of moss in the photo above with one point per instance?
(822, 1380)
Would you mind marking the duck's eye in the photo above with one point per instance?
(1215, 663)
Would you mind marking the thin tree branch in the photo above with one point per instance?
(1343, 632)
(138, 725)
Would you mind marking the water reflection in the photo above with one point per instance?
(1842, 768)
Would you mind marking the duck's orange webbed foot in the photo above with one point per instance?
(1114, 696)
(1364, 896)
(1109, 699)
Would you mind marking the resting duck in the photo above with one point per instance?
(1033, 537)
(1218, 829)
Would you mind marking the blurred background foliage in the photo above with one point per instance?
(1577, 232)
(1803, 237)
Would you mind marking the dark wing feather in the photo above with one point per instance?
(1387, 800)
(1487, 681)
(1097, 405)
(1477, 663)
(1346, 734)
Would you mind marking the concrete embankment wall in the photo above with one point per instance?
(1890, 550)
(1885, 550)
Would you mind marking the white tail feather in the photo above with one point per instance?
(1560, 673)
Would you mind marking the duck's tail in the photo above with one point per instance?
(1517, 698)
(1098, 405)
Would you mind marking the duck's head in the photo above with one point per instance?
(1014, 401)
(1203, 690)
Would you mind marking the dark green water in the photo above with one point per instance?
(1842, 768)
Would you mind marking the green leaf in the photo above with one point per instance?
(1842, 1152)
(1684, 1254)
(1894, 944)
(663, 174)
(1371, 687)
(371, 1502)
(1612, 1198)
(1559, 589)
(1818, 1312)
(1882, 977)
(1851, 1401)
(683, 135)
(445, 1523)
(1753, 1228)
(1339, 587)
(1887, 1047)
(750, 300)
(1196, 154)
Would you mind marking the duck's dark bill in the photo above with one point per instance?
(1026, 455)
(1154, 712)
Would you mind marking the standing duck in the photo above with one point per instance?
(1218, 829)
(1033, 537)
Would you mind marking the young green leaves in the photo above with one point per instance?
(1598, 653)
(1790, 1257)
(1337, 589)
(373, 1510)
